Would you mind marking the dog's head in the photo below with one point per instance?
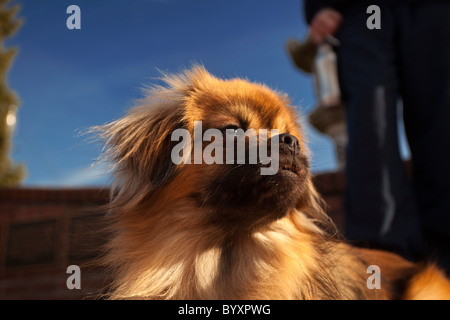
(183, 146)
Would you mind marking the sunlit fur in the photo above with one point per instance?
(163, 244)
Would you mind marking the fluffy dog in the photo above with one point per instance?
(224, 231)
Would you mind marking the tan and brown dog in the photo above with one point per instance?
(224, 231)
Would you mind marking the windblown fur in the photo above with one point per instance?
(173, 235)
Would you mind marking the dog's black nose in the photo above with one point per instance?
(290, 141)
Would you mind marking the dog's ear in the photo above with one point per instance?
(139, 145)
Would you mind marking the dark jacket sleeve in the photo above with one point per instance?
(311, 7)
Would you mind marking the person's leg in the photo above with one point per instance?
(425, 74)
(380, 208)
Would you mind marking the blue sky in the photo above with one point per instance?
(68, 80)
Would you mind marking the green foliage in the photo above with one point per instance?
(10, 173)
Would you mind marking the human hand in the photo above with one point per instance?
(326, 22)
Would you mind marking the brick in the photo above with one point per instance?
(45, 230)
(31, 244)
(85, 238)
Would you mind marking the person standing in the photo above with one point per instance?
(407, 58)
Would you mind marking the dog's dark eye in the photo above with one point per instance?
(229, 127)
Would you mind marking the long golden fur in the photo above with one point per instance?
(202, 231)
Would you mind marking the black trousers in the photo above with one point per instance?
(407, 60)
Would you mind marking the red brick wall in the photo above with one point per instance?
(43, 231)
